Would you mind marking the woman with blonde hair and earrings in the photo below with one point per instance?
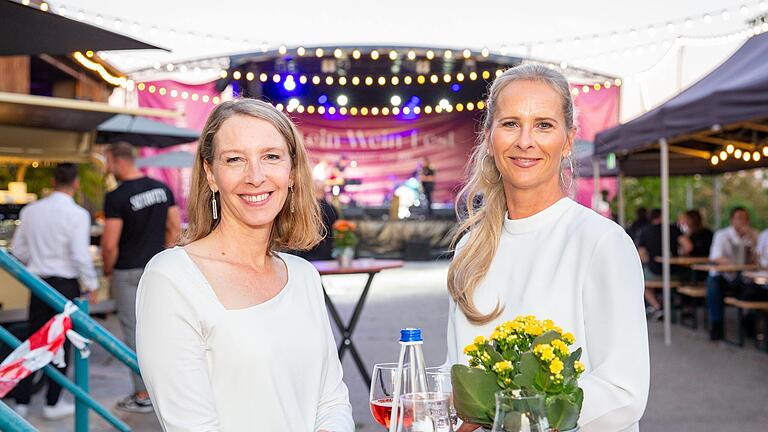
(531, 250)
(232, 334)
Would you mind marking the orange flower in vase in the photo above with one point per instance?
(344, 241)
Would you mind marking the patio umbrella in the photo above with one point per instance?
(174, 159)
(30, 31)
(142, 132)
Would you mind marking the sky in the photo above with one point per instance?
(657, 47)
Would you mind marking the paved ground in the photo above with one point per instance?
(695, 385)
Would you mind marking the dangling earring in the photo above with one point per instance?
(571, 173)
(482, 170)
(214, 209)
(290, 197)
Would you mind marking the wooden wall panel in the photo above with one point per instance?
(14, 74)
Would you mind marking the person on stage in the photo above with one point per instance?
(530, 250)
(427, 177)
(232, 334)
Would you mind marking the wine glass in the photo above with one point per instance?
(439, 381)
(382, 387)
(425, 412)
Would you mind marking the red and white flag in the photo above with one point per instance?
(46, 345)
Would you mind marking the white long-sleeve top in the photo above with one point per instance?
(53, 239)
(269, 367)
(571, 265)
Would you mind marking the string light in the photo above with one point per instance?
(650, 30)
(100, 69)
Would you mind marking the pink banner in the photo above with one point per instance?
(595, 111)
(384, 152)
(196, 107)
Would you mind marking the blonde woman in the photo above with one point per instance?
(233, 335)
(530, 250)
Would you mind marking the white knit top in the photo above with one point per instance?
(571, 265)
(269, 367)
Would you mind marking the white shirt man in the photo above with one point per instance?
(53, 241)
(762, 249)
(730, 247)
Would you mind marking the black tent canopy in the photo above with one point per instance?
(727, 107)
(142, 132)
(29, 31)
(725, 113)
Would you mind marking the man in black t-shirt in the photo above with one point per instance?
(141, 220)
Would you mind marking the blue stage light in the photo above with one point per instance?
(455, 88)
(322, 99)
(289, 84)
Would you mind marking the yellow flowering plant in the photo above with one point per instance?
(527, 354)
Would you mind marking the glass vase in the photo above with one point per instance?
(345, 255)
(519, 411)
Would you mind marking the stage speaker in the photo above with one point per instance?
(417, 250)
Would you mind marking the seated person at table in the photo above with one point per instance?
(641, 221)
(696, 240)
(754, 291)
(324, 249)
(731, 245)
(233, 335)
(649, 247)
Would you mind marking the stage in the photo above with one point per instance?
(418, 238)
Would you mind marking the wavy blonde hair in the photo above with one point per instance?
(480, 226)
(297, 230)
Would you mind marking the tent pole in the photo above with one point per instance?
(596, 182)
(665, 240)
(622, 208)
(717, 186)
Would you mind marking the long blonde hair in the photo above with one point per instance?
(480, 226)
(297, 230)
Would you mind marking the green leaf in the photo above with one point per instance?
(563, 411)
(473, 394)
(495, 355)
(528, 368)
(546, 338)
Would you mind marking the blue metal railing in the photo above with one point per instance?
(84, 325)
(10, 421)
(80, 394)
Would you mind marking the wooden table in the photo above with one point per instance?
(371, 267)
(684, 260)
(725, 268)
(759, 277)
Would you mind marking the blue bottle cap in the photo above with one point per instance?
(410, 335)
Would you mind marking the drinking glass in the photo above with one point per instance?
(382, 387)
(424, 412)
(439, 381)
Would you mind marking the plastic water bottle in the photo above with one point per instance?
(412, 359)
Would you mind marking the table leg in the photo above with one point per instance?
(348, 330)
